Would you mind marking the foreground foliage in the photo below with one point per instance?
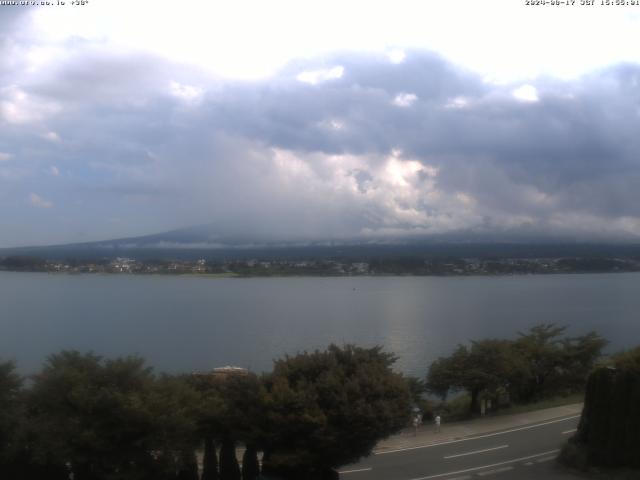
(89, 418)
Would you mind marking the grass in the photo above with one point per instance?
(458, 408)
(542, 404)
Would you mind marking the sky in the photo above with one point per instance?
(308, 120)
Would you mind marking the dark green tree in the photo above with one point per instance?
(329, 408)
(10, 418)
(229, 468)
(445, 373)
(172, 404)
(209, 460)
(108, 419)
(541, 351)
(628, 360)
(554, 364)
(580, 355)
(485, 367)
(242, 408)
(539, 363)
(209, 420)
(417, 388)
(231, 411)
(250, 465)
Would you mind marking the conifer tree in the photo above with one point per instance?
(210, 460)
(229, 468)
(250, 465)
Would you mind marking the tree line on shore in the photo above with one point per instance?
(540, 363)
(115, 419)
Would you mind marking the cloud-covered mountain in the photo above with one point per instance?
(205, 241)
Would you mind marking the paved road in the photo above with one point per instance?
(525, 451)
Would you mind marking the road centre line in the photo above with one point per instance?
(528, 427)
(355, 471)
(506, 462)
(476, 451)
(569, 431)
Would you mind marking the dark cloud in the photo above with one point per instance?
(412, 148)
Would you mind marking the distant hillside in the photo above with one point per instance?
(202, 242)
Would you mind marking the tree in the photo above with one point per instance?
(329, 408)
(445, 372)
(250, 465)
(24, 263)
(580, 355)
(418, 390)
(539, 363)
(242, 408)
(487, 366)
(554, 365)
(110, 419)
(541, 351)
(209, 460)
(209, 421)
(628, 360)
(10, 417)
(231, 409)
(229, 468)
(172, 405)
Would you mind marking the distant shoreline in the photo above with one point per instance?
(306, 275)
(447, 266)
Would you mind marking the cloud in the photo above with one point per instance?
(188, 93)
(397, 56)
(4, 157)
(37, 201)
(314, 77)
(526, 93)
(19, 107)
(404, 99)
(52, 136)
(354, 144)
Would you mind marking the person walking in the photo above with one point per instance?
(437, 423)
(417, 421)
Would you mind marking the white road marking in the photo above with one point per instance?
(545, 459)
(528, 427)
(528, 464)
(476, 451)
(515, 460)
(570, 431)
(492, 472)
(355, 471)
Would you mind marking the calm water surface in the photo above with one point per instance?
(187, 323)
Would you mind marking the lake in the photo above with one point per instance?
(180, 324)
